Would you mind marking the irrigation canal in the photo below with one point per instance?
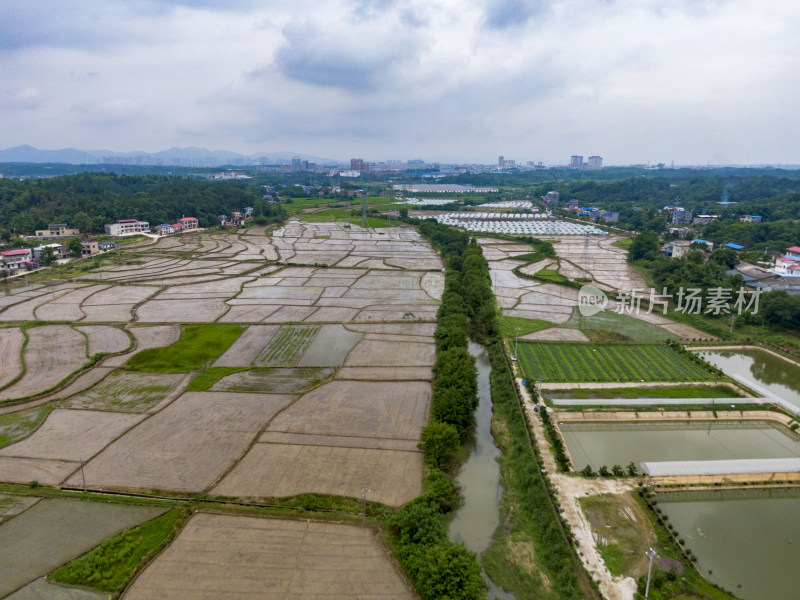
(478, 518)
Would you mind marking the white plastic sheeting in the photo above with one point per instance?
(721, 467)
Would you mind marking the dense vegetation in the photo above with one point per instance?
(88, 201)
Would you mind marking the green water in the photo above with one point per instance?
(747, 538)
(611, 444)
(779, 376)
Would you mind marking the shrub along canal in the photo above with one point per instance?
(478, 518)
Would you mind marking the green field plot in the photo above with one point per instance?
(197, 346)
(584, 362)
(331, 215)
(287, 346)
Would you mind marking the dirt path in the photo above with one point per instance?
(569, 488)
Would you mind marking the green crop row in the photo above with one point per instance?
(594, 362)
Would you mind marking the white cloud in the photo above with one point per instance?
(628, 79)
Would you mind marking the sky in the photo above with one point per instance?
(689, 81)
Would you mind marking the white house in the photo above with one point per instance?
(127, 227)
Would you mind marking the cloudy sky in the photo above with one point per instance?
(694, 81)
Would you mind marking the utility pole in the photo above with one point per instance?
(364, 492)
(651, 554)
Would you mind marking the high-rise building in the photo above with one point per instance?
(575, 161)
(501, 162)
(297, 164)
(595, 162)
(358, 164)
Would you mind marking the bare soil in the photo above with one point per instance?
(72, 435)
(219, 557)
(187, 445)
(52, 353)
(105, 339)
(11, 341)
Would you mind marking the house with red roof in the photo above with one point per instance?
(189, 223)
(13, 260)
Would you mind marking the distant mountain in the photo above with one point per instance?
(189, 156)
(34, 155)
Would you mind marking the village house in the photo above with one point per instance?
(89, 249)
(14, 260)
(59, 251)
(56, 230)
(127, 227)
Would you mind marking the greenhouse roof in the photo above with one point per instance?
(721, 467)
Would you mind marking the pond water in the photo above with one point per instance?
(478, 518)
(778, 376)
(748, 539)
(611, 444)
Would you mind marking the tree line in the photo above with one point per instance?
(89, 201)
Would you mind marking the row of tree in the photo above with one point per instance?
(89, 201)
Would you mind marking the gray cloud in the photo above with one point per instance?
(505, 14)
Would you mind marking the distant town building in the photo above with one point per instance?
(575, 161)
(750, 219)
(681, 217)
(595, 162)
(56, 230)
(732, 246)
(550, 197)
(610, 217)
(297, 164)
(704, 219)
(501, 161)
(127, 227)
(677, 248)
(441, 188)
(359, 164)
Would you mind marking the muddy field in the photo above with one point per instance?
(11, 341)
(53, 352)
(54, 531)
(224, 556)
(186, 446)
(337, 367)
(126, 391)
(591, 257)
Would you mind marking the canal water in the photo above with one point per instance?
(478, 518)
(749, 540)
(609, 444)
(779, 376)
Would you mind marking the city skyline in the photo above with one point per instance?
(692, 82)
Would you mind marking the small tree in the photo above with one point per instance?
(439, 441)
(587, 471)
(46, 256)
(74, 246)
(631, 469)
(617, 471)
(603, 471)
